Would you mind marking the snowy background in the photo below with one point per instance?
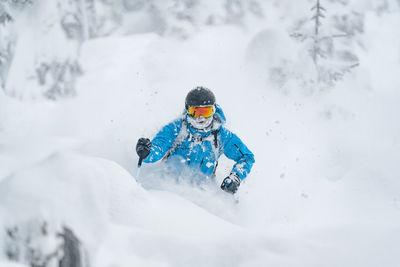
(313, 92)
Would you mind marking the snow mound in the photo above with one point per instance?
(103, 203)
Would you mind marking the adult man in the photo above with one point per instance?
(197, 139)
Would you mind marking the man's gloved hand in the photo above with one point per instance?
(143, 147)
(231, 183)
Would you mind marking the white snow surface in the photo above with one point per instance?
(324, 191)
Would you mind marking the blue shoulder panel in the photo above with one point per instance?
(163, 141)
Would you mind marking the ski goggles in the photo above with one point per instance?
(201, 111)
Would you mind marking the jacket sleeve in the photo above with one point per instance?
(236, 150)
(163, 141)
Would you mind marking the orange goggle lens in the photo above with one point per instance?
(203, 111)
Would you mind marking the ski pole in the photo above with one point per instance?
(139, 165)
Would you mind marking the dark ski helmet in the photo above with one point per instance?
(199, 96)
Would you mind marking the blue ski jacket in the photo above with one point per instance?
(180, 144)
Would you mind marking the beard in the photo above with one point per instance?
(200, 123)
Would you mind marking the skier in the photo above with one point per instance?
(197, 139)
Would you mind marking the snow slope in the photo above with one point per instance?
(324, 189)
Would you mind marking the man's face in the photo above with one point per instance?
(200, 117)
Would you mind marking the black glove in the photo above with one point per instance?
(143, 147)
(231, 183)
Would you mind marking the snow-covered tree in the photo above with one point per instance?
(176, 18)
(38, 244)
(328, 44)
(7, 40)
(43, 59)
(78, 18)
